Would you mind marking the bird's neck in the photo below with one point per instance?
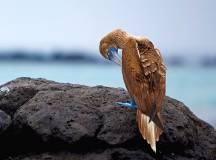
(120, 39)
(120, 42)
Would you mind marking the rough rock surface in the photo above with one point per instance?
(46, 120)
(5, 121)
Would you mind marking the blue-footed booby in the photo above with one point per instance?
(144, 74)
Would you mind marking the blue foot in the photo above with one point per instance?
(128, 104)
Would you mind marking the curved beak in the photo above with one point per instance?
(114, 56)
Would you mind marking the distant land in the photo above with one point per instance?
(85, 57)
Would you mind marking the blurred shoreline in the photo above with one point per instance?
(202, 60)
(190, 79)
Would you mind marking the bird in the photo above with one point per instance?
(144, 74)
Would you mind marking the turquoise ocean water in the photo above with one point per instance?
(194, 86)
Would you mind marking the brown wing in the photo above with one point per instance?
(154, 71)
(144, 74)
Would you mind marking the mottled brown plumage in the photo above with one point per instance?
(145, 78)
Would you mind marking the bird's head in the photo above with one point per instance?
(110, 44)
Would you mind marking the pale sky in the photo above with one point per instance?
(185, 26)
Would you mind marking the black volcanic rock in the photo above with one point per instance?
(5, 121)
(58, 121)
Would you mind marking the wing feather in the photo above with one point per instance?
(154, 71)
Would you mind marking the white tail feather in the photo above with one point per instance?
(149, 130)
